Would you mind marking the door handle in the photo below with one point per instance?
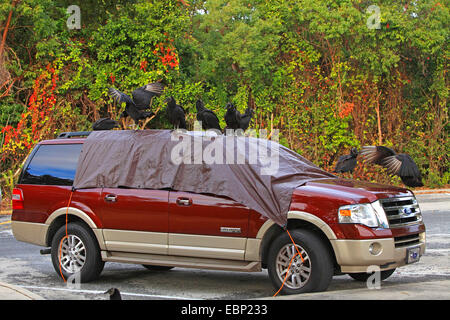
(184, 201)
(111, 198)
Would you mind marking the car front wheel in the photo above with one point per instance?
(309, 271)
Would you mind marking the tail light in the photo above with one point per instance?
(17, 199)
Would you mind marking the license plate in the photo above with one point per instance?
(412, 255)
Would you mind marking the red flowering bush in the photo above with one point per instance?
(167, 54)
(345, 109)
(35, 122)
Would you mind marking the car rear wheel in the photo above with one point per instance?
(77, 255)
(310, 271)
(363, 276)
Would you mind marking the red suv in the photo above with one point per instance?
(339, 226)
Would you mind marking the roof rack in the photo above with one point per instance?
(67, 135)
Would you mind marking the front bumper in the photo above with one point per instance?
(355, 256)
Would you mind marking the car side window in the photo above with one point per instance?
(54, 164)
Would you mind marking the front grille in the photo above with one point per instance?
(408, 240)
(401, 211)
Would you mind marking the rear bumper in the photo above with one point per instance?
(30, 232)
(355, 256)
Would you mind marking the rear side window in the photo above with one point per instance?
(53, 164)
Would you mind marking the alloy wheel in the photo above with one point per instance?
(72, 254)
(299, 271)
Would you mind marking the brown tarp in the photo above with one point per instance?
(257, 173)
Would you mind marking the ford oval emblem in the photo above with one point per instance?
(407, 211)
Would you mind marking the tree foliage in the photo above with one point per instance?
(316, 70)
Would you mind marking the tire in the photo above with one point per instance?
(85, 257)
(157, 268)
(314, 272)
(363, 276)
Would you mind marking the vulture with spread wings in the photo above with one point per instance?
(142, 100)
(399, 164)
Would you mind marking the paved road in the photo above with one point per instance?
(22, 265)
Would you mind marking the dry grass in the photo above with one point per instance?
(5, 207)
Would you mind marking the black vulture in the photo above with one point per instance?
(232, 117)
(130, 108)
(114, 294)
(245, 119)
(347, 162)
(105, 124)
(398, 164)
(175, 114)
(143, 96)
(208, 118)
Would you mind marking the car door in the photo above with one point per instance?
(135, 220)
(207, 226)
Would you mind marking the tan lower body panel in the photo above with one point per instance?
(182, 250)
(252, 250)
(214, 247)
(135, 241)
(30, 232)
(180, 261)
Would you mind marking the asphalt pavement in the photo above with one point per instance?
(432, 290)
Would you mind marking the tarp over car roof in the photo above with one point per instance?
(258, 173)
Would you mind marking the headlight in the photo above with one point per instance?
(369, 214)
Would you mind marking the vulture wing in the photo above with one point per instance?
(393, 164)
(245, 119)
(409, 167)
(409, 172)
(207, 117)
(120, 97)
(130, 109)
(179, 114)
(156, 87)
(143, 96)
(105, 124)
(212, 122)
(376, 154)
